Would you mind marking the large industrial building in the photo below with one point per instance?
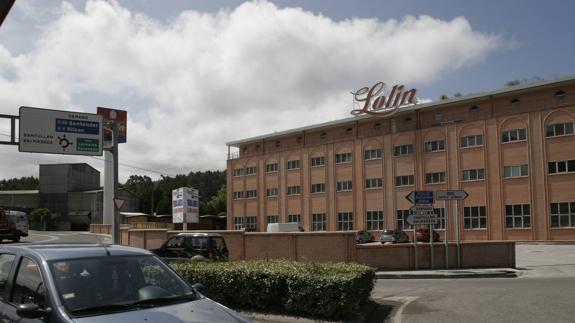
(512, 150)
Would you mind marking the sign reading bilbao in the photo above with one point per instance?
(378, 101)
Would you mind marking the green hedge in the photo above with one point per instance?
(334, 290)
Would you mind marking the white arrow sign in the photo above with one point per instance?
(451, 195)
(414, 219)
(421, 210)
(420, 197)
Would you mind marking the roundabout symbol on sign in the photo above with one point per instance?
(64, 142)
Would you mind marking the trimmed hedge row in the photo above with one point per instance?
(334, 290)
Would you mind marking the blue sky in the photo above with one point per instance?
(194, 75)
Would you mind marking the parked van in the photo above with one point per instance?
(283, 227)
(20, 220)
(13, 225)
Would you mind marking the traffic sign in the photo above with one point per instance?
(111, 116)
(421, 210)
(451, 195)
(420, 197)
(119, 203)
(60, 132)
(414, 219)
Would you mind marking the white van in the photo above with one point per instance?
(20, 220)
(283, 227)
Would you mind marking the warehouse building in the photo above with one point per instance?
(512, 150)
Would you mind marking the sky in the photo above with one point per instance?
(194, 75)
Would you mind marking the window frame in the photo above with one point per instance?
(374, 220)
(475, 214)
(403, 150)
(344, 221)
(556, 166)
(343, 158)
(513, 208)
(401, 220)
(410, 180)
(436, 178)
(378, 183)
(554, 127)
(513, 169)
(290, 190)
(469, 172)
(318, 220)
(344, 186)
(372, 154)
(313, 188)
(506, 135)
(467, 141)
(270, 190)
(313, 161)
(274, 168)
(428, 146)
(560, 215)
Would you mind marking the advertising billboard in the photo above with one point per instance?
(111, 116)
(185, 205)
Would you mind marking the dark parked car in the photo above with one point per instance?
(363, 236)
(195, 246)
(87, 283)
(395, 236)
(423, 235)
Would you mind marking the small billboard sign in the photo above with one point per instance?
(60, 132)
(420, 197)
(185, 205)
(111, 116)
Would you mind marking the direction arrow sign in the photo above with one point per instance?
(422, 219)
(119, 203)
(420, 197)
(421, 210)
(451, 195)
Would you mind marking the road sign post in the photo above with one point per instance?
(421, 213)
(453, 195)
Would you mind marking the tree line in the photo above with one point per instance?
(156, 196)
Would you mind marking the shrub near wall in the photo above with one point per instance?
(321, 290)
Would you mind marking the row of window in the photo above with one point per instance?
(474, 217)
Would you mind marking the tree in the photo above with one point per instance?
(23, 183)
(218, 203)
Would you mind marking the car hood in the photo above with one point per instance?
(201, 310)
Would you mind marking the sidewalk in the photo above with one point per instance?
(450, 273)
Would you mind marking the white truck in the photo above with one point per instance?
(283, 227)
(13, 225)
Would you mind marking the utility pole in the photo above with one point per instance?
(114, 151)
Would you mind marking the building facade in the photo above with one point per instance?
(511, 150)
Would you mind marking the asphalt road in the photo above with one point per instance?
(545, 291)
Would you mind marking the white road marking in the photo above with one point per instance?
(405, 300)
(50, 237)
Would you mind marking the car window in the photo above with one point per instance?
(29, 287)
(200, 243)
(6, 261)
(175, 242)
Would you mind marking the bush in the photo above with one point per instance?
(320, 290)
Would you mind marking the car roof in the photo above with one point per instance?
(72, 251)
(199, 234)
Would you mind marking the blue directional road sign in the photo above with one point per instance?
(420, 197)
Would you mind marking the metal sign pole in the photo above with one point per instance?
(431, 242)
(446, 231)
(415, 246)
(114, 150)
(457, 234)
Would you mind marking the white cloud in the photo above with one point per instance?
(210, 78)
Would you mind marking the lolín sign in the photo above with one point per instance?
(377, 101)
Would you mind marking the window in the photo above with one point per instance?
(344, 221)
(250, 194)
(343, 186)
(271, 167)
(440, 212)
(564, 166)
(343, 158)
(403, 150)
(434, 178)
(372, 154)
(559, 129)
(318, 222)
(473, 174)
(293, 190)
(318, 188)
(514, 135)
(515, 171)
(373, 182)
(250, 170)
(471, 141)
(405, 180)
(176, 243)
(348, 131)
(401, 218)
(294, 218)
(238, 172)
(272, 191)
(251, 223)
(238, 223)
(563, 215)
(238, 195)
(474, 217)
(29, 287)
(6, 261)
(517, 216)
(272, 219)
(323, 135)
(317, 161)
(293, 164)
(438, 145)
(375, 220)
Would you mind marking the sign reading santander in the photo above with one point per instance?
(378, 101)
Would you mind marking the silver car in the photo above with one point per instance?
(98, 283)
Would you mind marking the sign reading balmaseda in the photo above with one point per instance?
(376, 100)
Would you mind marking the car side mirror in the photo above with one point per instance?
(31, 311)
(197, 286)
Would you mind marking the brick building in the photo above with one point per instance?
(512, 150)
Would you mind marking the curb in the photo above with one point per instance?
(447, 275)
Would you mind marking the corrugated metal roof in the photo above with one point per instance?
(431, 105)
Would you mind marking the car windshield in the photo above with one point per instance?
(97, 285)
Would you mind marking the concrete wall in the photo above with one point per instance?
(334, 247)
